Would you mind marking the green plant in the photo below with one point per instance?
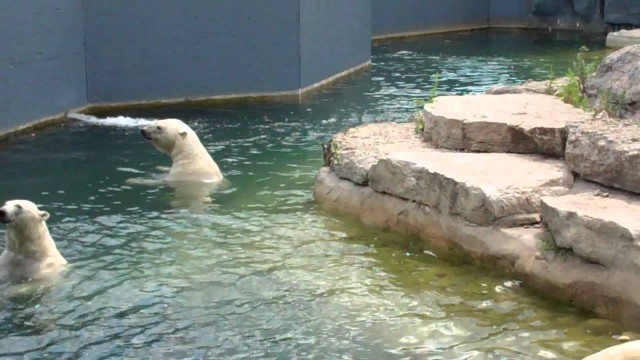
(433, 93)
(551, 81)
(548, 243)
(329, 151)
(418, 120)
(574, 91)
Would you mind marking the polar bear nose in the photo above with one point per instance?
(3, 216)
(145, 134)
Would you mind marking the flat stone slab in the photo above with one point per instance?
(514, 123)
(357, 149)
(482, 188)
(605, 230)
(622, 38)
(607, 152)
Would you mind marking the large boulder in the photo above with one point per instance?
(607, 152)
(622, 12)
(618, 81)
(482, 188)
(601, 230)
(622, 38)
(517, 123)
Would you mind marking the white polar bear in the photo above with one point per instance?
(30, 252)
(190, 160)
(627, 351)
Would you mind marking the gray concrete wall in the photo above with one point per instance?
(510, 12)
(144, 50)
(42, 68)
(401, 16)
(335, 35)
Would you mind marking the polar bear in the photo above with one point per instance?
(193, 174)
(30, 252)
(627, 351)
(190, 161)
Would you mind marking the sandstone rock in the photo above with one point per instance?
(357, 149)
(602, 230)
(481, 188)
(622, 38)
(530, 87)
(607, 152)
(618, 78)
(622, 12)
(518, 123)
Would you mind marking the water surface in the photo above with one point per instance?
(263, 272)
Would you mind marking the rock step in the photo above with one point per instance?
(482, 188)
(622, 38)
(513, 123)
(606, 152)
(598, 229)
(357, 149)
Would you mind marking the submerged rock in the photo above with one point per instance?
(607, 152)
(607, 292)
(618, 82)
(517, 123)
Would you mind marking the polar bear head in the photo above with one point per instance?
(168, 134)
(22, 213)
(30, 252)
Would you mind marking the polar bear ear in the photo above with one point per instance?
(44, 216)
(183, 134)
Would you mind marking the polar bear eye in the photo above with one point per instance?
(18, 206)
(159, 127)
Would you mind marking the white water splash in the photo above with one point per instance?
(118, 121)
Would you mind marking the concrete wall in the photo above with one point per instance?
(57, 55)
(510, 12)
(144, 50)
(335, 35)
(42, 68)
(401, 16)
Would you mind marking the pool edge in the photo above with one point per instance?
(258, 97)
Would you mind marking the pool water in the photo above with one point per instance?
(263, 272)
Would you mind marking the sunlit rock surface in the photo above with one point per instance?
(516, 123)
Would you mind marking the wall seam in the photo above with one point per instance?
(299, 51)
(84, 52)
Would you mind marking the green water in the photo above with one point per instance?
(263, 272)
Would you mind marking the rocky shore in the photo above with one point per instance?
(516, 179)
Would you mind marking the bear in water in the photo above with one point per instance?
(189, 159)
(193, 173)
(30, 252)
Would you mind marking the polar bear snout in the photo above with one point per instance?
(4, 216)
(145, 134)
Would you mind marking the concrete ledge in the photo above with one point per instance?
(519, 251)
(293, 96)
(435, 30)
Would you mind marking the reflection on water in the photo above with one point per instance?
(261, 271)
